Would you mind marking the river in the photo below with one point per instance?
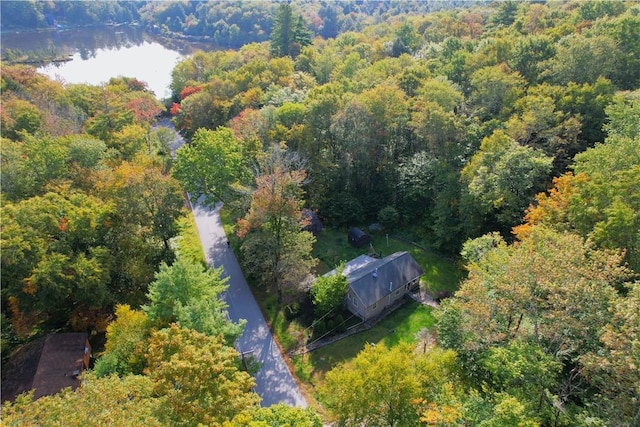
(100, 53)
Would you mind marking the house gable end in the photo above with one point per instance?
(378, 279)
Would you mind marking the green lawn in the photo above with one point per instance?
(330, 249)
(189, 240)
(440, 274)
(401, 326)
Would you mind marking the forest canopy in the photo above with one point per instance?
(501, 135)
(457, 131)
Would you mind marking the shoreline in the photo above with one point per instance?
(37, 61)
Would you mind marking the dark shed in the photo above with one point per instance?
(358, 238)
(312, 222)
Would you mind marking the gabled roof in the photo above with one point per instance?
(356, 264)
(47, 365)
(375, 280)
(61, 361)
(372, 279)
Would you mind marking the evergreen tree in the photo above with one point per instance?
(301, 35)
(329, 17)
(281, 33)
(289, 33)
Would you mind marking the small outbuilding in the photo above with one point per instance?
(358, 238)
(312, 221)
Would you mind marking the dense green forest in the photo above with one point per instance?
(504, 135)
(227, 24)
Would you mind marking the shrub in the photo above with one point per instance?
(319, 328)
(292, 311)
(388, 216)
(340, 324)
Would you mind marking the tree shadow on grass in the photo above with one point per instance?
(400, 326)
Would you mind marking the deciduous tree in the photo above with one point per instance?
(28, 166)
(127, 401)
(126, 343)
(551, 289)
(581, 59)
(379, 387)
(526, 372)
(199, 377)
(601, 201)
(20, 116)
(211, 166)
(615, 367)
(277, 415)
(494, 90)
(108, 119)
(189, 294)
(54, 259)
(275, 247)
(210, 108)
(328, 292)
(503, 177)
(148, 201)
(624, 30)
(370, 135)
(529, 54)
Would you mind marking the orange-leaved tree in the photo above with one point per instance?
(276, 249)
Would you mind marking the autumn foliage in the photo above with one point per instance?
(189, 90)
(175, 109)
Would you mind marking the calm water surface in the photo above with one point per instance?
(149, 62)
(99, 54)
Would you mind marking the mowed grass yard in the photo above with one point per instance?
(403, 325)
(440, 274)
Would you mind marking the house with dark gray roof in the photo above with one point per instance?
(375, 284)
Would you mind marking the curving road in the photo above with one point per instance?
(274, 382)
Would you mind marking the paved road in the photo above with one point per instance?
(275, 383)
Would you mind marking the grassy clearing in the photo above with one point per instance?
(287, 331)
(401, 326)
(189, 239)
(331, 247)
(440, 274)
